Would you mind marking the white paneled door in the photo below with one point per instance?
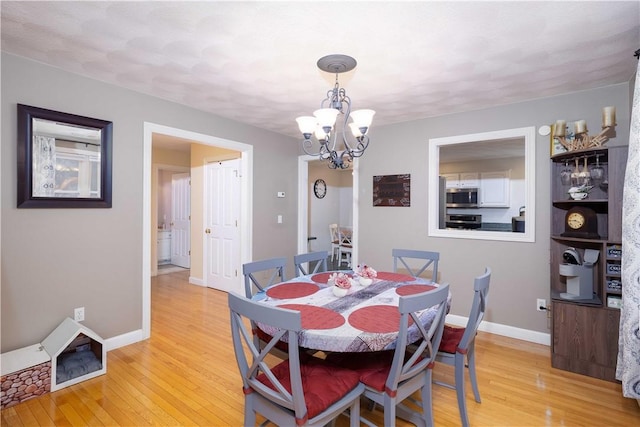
(181, 220)
(222, 234)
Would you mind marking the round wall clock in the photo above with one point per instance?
(320, 188)
(581, 222)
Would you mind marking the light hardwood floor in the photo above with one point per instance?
(186, 375)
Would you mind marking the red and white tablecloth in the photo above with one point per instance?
(366, 319)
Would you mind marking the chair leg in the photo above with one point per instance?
(427, 402)
(354, 414)
(249, 413)
(389, 411)
(471, 361)
(462, 403)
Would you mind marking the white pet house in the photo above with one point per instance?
(70, 354)
(77, 354)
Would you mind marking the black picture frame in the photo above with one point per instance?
(26, 198)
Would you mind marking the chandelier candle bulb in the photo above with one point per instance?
(580, 126)
(608, 117)
(355, 130)
(307, 124)
(363, 118)
(326, 117)
(560, 128)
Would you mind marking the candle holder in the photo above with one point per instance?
(581, 139)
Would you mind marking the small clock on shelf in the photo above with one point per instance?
(581, 222)
(320, 188)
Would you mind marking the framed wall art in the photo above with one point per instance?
(392, 190)
(64, 160)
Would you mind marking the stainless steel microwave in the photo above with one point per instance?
(462, 197)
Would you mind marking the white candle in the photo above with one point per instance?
(608, 116)
(581, 126)
(559, 128)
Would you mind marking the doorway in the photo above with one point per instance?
(303, 205)
(173, 194)
(246, 206)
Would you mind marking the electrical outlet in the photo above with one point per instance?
(78, 314)
(541, 304)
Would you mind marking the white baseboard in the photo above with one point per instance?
(196, 281)
(504, 330)
(124, 339)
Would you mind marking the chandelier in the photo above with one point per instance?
(326, 136)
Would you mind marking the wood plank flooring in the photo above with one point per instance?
(185, 374)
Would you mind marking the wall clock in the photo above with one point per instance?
(320, 188)
(581, 222)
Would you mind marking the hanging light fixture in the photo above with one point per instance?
(332, 140)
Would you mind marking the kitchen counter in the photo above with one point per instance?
(495, 226)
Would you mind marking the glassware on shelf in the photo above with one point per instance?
(565, 174)
(575, 175)
(597, 172)
(584, 177)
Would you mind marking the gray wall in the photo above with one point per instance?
(520, 270)
(56, 259)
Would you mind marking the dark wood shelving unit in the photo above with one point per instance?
(585, 331)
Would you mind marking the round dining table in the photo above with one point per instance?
(365, 319)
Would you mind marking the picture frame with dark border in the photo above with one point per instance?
(99, 175)
(392, 190)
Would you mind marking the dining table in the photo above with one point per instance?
(366, 319)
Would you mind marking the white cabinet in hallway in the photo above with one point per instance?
(164, 246)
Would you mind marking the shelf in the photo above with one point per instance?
(577, 239)
(568, 155)
(593, 302)
(585, 202)
(585, 331)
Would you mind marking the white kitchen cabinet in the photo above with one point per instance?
(164, 246)
(494, 189)
(462, 180)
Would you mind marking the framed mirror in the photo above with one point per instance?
(494, 172)
(64, 160)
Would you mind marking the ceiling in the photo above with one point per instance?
(255, 62)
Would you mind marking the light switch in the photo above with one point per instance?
(280, 194)
(279, 219)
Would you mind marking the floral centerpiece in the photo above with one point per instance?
(366, 274)
(341, 284)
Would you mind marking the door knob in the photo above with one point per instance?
(207, 231)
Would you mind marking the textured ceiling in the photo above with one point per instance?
(255, 62)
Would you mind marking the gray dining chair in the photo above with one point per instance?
(273, 269)
(254, 273)
(292, 392)
(429, 258)
(457, 346)
(391, 377)
(317, 262)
